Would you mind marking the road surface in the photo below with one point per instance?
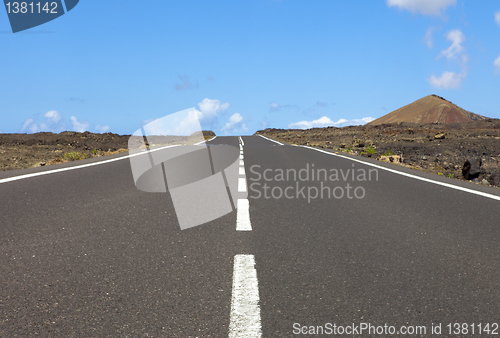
(84, 253)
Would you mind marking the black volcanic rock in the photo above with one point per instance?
(472, 168)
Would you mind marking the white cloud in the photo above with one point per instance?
(274, 106)
(52, 123)
(210, 108)
(53, 116)
(27, 125)
(327, 122)
(447, 80)
(456, 37)
(184, 122)
(429, 41)
(79, 126)
(497, 17)
(425, 7)
(102, 129)
(189, 124)
(234, 124)
(321, 122)
(233, 120)
(357, 122)
(496, 63)
(31, 126)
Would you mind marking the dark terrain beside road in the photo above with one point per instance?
(468, 150)
(20, 151)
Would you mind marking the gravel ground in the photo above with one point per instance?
(442, 149)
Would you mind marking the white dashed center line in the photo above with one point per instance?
(243, 216)
(245, 311)
(242, 184)
(243, 212)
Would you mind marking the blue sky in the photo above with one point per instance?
(246, 65)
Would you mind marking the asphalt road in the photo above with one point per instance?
(84, 253)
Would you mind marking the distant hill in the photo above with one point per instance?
(429, 109)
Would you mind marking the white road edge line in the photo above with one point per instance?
(196, 144)
(245, 311)
(475, 192)
(16, 178)
(242, 163)
(267, 138)
(241, 141)
(241, 171)
(243, 216)
(242, 184)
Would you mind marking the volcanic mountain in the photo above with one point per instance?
(429, 109)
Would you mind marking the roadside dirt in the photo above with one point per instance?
(438, 148)
(19, 151)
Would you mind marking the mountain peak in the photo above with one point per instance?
(429, 109)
